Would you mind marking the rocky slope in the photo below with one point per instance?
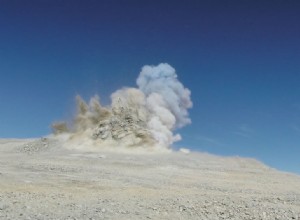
(39, 179)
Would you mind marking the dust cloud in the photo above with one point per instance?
(146, 116)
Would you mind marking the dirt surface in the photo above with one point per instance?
(39, 179)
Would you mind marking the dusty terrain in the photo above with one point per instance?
(39, 179)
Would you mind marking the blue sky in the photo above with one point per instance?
(240, 59)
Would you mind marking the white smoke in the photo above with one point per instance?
(166, 99)
(162, 80)
(159, 106)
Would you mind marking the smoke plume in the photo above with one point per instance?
(144, 116)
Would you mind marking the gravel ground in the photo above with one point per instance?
(39, 179)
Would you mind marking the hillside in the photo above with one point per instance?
(40, 179)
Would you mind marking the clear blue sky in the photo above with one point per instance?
(240, 59)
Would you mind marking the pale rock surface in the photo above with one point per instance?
(39, 179)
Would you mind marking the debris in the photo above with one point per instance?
(123, 123)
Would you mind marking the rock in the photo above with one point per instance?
(124, 123)
(182, 208)
(3, 206)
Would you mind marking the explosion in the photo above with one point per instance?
(145, 116)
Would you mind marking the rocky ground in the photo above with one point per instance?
(39, 179)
